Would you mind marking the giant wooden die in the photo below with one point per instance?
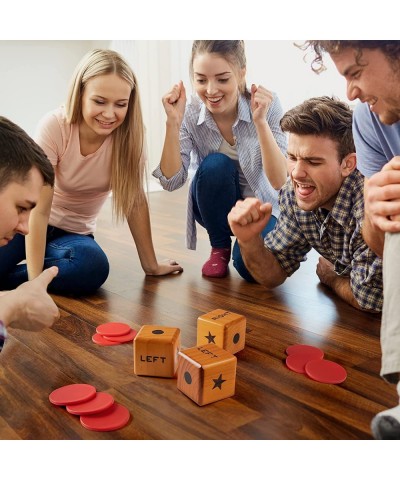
(156, 351)
(222, 328)
(206, 373)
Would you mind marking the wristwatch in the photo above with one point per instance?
(3, 334)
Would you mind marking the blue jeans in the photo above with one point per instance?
(215, 189)
(82, 264)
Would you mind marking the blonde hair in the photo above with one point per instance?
(127, 163)
(230, 50)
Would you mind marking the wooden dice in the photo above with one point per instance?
(222, 328)
(206, 373)
(156, 351)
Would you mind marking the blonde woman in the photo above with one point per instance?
(96, 145)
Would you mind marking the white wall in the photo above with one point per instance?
(279, 65)
(35, 76)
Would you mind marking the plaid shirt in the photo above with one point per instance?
(336, 235)
(3, 335)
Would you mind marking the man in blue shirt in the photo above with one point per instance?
(372, 71)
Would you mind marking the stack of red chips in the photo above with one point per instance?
(310, 360)
(98, 411)
(113, 333)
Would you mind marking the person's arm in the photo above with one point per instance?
(30, 307)
(382, 205)
(139, 225)
(247, 220)
(274, 161)
(340, 285)
(379, 192)
(360, 284)
(35, 241)
(174, 104)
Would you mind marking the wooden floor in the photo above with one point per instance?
(271, 402)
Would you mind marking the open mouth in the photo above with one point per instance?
(104, 124)
(372, 102)
(214, 100)
(304, 189)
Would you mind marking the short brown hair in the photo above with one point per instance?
(19, 154)
(390, 48)
(322, 116)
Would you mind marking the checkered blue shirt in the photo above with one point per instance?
(200, 136)
(336, 235)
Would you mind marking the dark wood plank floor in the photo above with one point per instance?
(271, 402)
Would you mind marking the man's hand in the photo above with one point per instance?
(325, 272)
(29, 306)
(382, 197)
(248, 218)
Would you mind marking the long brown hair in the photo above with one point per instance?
(127, 166)
(230, 50)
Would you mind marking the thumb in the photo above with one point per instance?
(253, 90)
(266, 208)
(47, 276)
(183, 91)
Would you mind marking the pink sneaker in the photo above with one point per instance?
(217, 264)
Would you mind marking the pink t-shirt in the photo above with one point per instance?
(82, 183)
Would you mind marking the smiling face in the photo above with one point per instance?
(216, 83)
(316, 170)
(16, 202)
(372, 79)
(104, 105)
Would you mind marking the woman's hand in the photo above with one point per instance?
(175, 102)
(261, 99)
(166, 267)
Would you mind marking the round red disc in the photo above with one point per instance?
(312, 352)
(297, 362)
(100, 340)
(97, 404)
(123, 338)
(113, 329)
(70, 394)
(114, 418)
(325, 371)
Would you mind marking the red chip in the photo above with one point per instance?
(102, 401)
(100, 340)
(113, 329)
(312, 352)
(122, 338)
(74, 393)
(114, 418)
(325, 371)
(296, 362)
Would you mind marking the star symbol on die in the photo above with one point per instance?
(218, 382)
(210, 337)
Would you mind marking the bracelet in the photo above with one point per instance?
(3, 334)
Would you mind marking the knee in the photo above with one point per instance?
(82, 271)
(216, 163)
(216, 170)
